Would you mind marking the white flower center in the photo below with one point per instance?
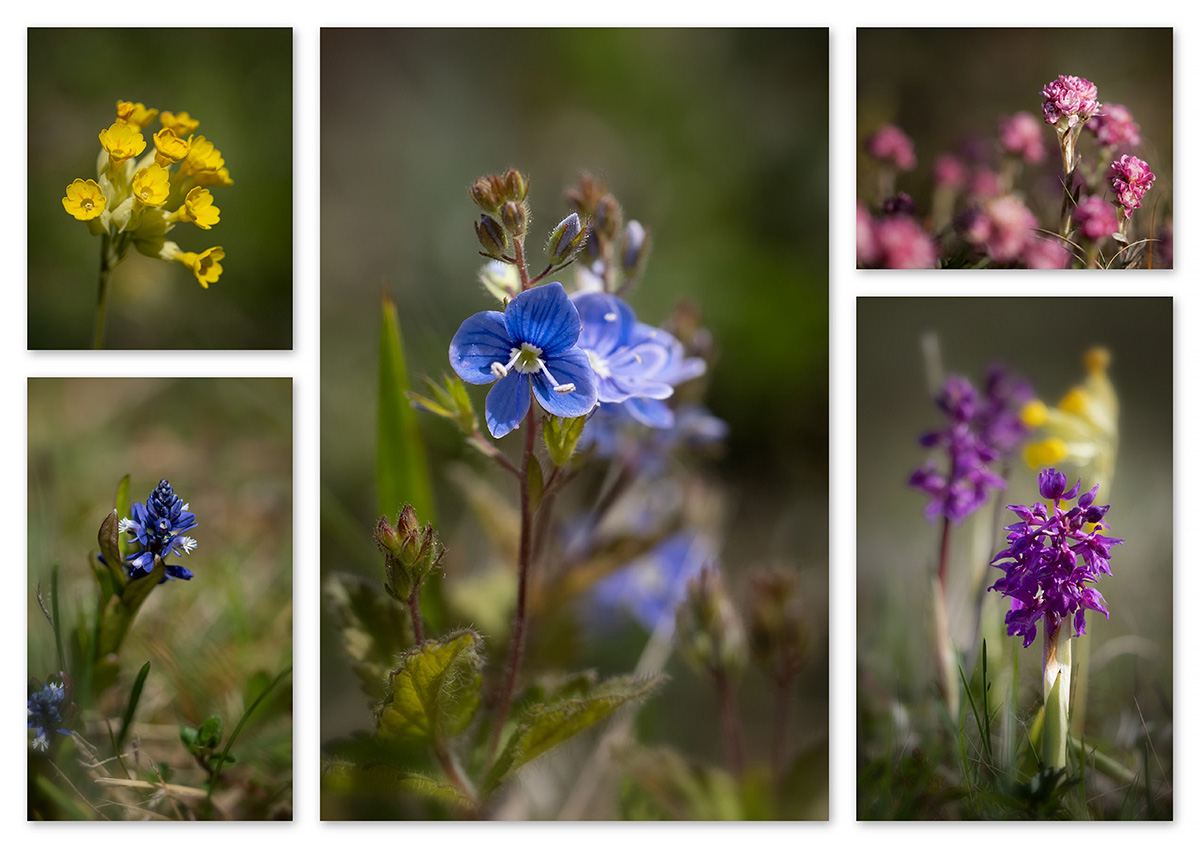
(527, 359)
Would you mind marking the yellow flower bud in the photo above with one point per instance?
(152, 186)
(199, 209)
(1046, 453)
(170, 147)
(206, 266)
(1033, 414)
(121, 142)
(84, 200)
(135, 114)
(181, 124)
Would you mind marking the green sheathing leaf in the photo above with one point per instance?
(544, 726)
(402, 474)
(434, 691)
(122, 503)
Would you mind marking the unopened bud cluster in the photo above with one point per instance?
(411, 553)
(708, 630)
(505, 213)
(610, 242)
(780, 638)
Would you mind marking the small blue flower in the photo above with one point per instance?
(157, 526)
(627, 361)
(650, 587)
(532, 342)
(46, 707)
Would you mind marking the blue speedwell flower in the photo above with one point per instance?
(47, 706)
(650, 587)
(533, 342)
(157, 526)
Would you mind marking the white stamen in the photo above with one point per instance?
(187, 506)
(124, 525)
(187, 543)
(561, 388)
(40, 742)
(499, 371)
(565, 388)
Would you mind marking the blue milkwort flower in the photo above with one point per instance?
(651, 586)
(1052, 556)
(533, 342)
(965, 484)
(47, 707)
(157, 526)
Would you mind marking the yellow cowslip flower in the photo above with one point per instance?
(206, 266)
(152, 186)
(169, 147)
(214, 179)
(135, 114)
(202, 156)
(84, 200)
(121, 142)
(181, 124)
(198, 208)
(1082, 429)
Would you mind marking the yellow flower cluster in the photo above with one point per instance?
(140, 194)
(1082, 430)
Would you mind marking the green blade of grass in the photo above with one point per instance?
(402, 472)
(262, 696)
(58, 642)
(135, 694)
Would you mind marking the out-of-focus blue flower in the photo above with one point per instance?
(532, 342)
(47, 705)
(651, 586)
(157, 526)
(964, 486)
(627, 361)
(614, 431)
(1052, 555)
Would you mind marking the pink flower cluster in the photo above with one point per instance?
(1069, 97)
(1130, 178)
(1021, 135)
(893, 241)
(891, 146)
(1115, 127)
(1096, 219)
(1003, 226)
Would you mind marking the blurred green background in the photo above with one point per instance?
(238, 84)
(1044, 340)
(716, 140)
(945, 86)
(226, 447)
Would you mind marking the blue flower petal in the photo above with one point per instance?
(544, 317)
(481, 340)
(506, 404)
(607, 322)
(650, 411)
(571, 366)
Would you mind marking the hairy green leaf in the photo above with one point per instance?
(434, 691)
(561, 436)
(374, 628)
(544, 726)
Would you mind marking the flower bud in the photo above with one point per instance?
(607, 219)
(566, 239)
(780, 638)
(491, 236)
(707, 627)
(484, 195)
(411, 553)
(635, 248)
(514, 215)
(515, 185)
